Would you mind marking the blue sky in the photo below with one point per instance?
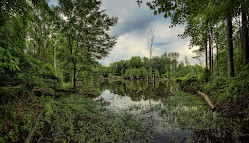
(133, 25)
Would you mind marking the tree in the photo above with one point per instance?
(207, 11)
(86, 28)
(245, 41)
(150, 38)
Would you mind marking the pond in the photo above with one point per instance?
(175, 115)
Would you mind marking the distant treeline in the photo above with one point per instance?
(166, 65)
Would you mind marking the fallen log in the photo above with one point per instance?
(207, 98)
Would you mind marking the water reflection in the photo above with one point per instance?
(118, 102)
(138, 90)
(177, 118)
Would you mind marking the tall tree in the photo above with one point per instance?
(86, 27)
(245, 42)
(230, 46)
(150, 38)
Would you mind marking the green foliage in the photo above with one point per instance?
(109, 75)
(18, 116)
(167, 64)
(230, 89)
(144, 72)
(7, 61)
(157, 73)
(35, 74)
(206, 75)
(189, 83)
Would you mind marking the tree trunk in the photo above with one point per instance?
(150, 72)
(40, 36)
(54, 59)
(206, 57)
(73, 61)
(230, 47)
(245, 46)
(217, 58)
(74, 75)
(212, 53)
(62, 76)
(150, 66)
(209, 54)
(212, 60)
(74, 66)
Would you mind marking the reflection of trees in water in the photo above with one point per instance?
(138, 90)
(201, 124)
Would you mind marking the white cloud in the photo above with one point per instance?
(134, 43)
(131, 16)
(132, 27)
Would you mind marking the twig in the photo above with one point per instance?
(16, 97)
(40, 139)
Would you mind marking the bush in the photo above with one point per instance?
(34, 74)
(189, 83)
(227, 90)
(205, 76)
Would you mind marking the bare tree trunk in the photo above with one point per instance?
(205, 46)
(54, 59)
(74, 66)
(206, 56)
(74, 75)
(217, 58)
(230, 47)
(212, 61)
(150, 37)
(209, 53)
(39, 44)
(212, 53)
(73, 61)
(245, 46)
(150, 72)
(62, 76)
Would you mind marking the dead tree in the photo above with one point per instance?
(150, 38)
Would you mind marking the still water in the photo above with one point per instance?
(175, 116)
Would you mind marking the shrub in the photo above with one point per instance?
(189, 83)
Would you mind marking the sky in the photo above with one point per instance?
(133, 24)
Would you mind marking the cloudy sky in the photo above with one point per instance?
(133, 25)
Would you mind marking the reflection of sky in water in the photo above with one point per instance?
(117, 102)
(124, 102)
(179, 122)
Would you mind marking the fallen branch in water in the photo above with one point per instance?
(33, 129)
(207, 98)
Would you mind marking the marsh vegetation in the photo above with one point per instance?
(53, 87)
